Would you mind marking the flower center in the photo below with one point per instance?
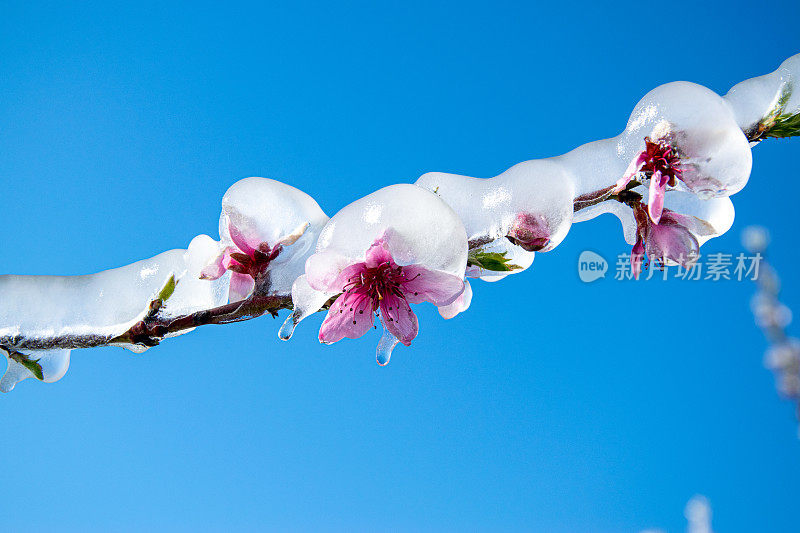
(661, 157)
(255, 264)
(376, 283)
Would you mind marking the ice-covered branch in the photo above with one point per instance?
(667, 177)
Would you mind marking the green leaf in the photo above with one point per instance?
(34, 367)
(785, 126)
(168, 289)
(494, 261)
(778, 124)
(31, 364)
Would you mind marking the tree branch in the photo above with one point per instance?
(154, 327)
(592, 198)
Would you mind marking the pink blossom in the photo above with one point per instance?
(248, 259)
(460, 304)
(378, 283)
(661, 163)
(530, 232)
(671, 240)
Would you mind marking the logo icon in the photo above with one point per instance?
(591, 266)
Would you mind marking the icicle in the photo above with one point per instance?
(385, 347)
(287, 328)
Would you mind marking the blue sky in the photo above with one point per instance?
(552, 405)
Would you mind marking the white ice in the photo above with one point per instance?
(757, 98)
(489, 207)
(714, 151)
(52, 363)
(104, 304)
(431, 232)
(425, 231)
(711, 217)
(266, 210)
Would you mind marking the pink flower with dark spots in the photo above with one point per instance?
(661, 163)
(378, 284)
(248, 260)
(530, 232)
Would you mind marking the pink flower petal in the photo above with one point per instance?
(635, 166)
(636, 257)
(239, 240)
(226, 258)
(695, 225)
(347, 276)
(378, 253)
(655, 201)
(459, 305)
(350, 316)
(214, 270)
(435, 286)
(473, 272)
(240, 288)
(398, 318)
(323, 270)
(672, 241)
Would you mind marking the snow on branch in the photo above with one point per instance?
(667, 177)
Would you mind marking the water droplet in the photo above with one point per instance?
(385, 347)
(287, 328)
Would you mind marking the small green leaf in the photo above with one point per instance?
(494, 261)
(31, 364)
(777, 123)
(168, 289)
(34, 367)
(785, 126)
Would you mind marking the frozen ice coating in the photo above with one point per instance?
(192, 293)
(711, 217)
(713, 153)
(777, 93)
(594, 166)
(792, 67)
(47, 365)
(518, 260)
(540, 191)
(398, 246)
(473, 199)
(105, 304)
(667, 177)
(305, 301)
(753, 99)
(428, 231)
(679, 136)
(527, 208)
(269, 227)
(484, 207)
(459, 305)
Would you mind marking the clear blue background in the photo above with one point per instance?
(551, 406)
